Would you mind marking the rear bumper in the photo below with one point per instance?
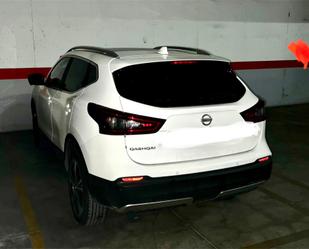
(177, 190)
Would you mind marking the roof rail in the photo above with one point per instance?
(99, 50)
(196, 50)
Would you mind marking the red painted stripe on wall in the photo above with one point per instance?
(247, 65)
(22, 73)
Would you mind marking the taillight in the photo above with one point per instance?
(263, 159)
(183, 62)
(132, 179)
(115, 122)
(256, 113)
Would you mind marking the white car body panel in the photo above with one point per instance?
(43, 102)
(112, 163)
(62, 106)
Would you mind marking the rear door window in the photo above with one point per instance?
(179, 83)
(80, 74)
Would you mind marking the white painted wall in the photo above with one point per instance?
(33, 33)
(36, 32)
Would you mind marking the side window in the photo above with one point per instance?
(81, 73)
(56, 77)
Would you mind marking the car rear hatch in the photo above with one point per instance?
(196, 103)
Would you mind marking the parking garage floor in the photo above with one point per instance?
(35, 210)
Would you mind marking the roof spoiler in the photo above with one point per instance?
(185, 49)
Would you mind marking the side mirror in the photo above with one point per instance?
(36, 79)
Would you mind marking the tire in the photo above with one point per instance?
(86, 210)
(36, 130)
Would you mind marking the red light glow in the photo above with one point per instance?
(183, 62)
(132, 179)
(147, 125)
(263, 159)
(301, 51)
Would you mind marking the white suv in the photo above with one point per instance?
(148, 128)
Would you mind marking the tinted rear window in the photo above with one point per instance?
(81, 73)
(176, 84)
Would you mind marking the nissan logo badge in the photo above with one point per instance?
(206, 120)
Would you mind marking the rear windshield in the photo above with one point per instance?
(179, 83)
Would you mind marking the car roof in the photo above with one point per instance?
(121, 57)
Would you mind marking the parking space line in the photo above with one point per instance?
(280, 241)
(193, 228)
(28, 213)
(14, 160)
(291, 180)
(304, 211)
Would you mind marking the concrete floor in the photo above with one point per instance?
(35, 211)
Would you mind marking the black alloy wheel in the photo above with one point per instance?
(86, 210)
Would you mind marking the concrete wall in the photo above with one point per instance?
(34, 34)
(285, 86)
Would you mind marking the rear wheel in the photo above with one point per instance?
(86, 210)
